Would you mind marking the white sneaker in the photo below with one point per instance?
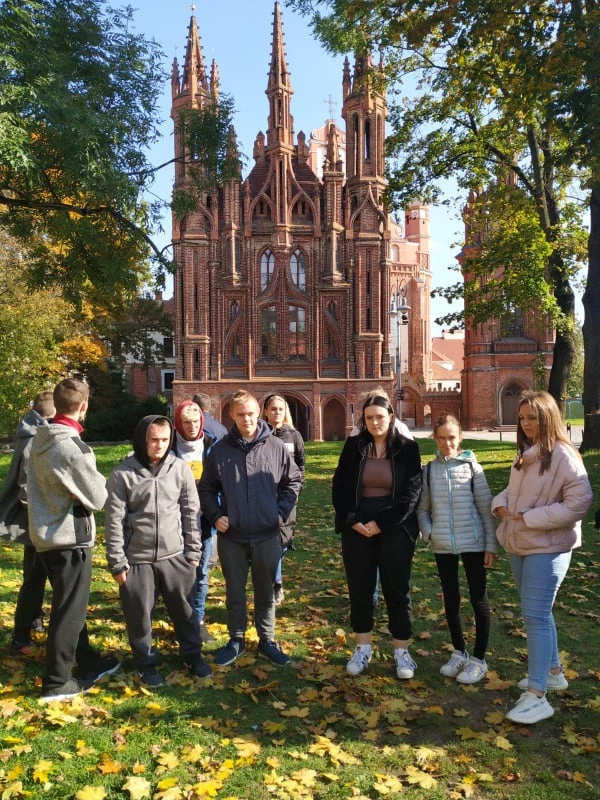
(360, 659)
(556, 683)
(405, 666)
(455, 664)
(529, 709)
(474, 671)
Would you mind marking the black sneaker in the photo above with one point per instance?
(228, 654)
(26, 649)
(72, 688)
(273, 652)
(198, 667)
(104, 665)
(150, 676)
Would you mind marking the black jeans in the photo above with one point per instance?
(447, 565)
(70, 575)
(31, 595)
(390, 552)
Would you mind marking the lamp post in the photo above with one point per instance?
(399, 309)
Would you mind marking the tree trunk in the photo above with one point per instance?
(564, 344)
(591, 331)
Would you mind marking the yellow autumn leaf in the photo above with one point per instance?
(13, 790)
(422, 779)
(155, 709)
(91, 793)
(246, 747)
(108, 766)
(434, 710)
(173, 793)
(42, 770)
(15, 772)
(138, 788)
(168, 760)
(494, 717)
(579, 778)
(167, 783)
(306, 777)
(296, 712)
(210, 788)
(273, 727)
(387, 784)
(192, 755)
(503, 743)
(425, 754)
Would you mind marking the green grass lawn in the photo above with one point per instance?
(255, 731)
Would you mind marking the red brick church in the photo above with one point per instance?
(290, 280)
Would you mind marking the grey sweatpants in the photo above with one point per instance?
(173, 579)
(261, 559)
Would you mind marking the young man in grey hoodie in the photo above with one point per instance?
(153, 545)
(64, 488)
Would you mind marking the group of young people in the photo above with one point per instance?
(383, 500)
(190, 482)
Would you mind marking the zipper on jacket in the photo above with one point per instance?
(155, 480)
(450, 508)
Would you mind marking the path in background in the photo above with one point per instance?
(507, 436)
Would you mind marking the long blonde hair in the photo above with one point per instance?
(287, 417)
(551, 428)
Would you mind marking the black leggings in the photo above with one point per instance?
(447, 566)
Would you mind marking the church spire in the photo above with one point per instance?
(194, 70)
(280, 128)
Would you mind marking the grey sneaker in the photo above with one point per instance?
(72, 688)
(227, 655)
(530, 709)
(474, 672)
(455, 664)
(556, 683)
(405, 666)
(359, 661)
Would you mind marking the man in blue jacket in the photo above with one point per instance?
(249, 486)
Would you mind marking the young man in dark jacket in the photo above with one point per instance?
(13, 516)
(249, 486)
(153, 545)
(64, 488)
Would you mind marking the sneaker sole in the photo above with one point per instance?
(533, 719)
(523, 684)
(61, 697)
(277, 663)
(470, 682)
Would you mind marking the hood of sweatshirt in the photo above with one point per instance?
(29, 425)
(464, 455)
(140, 439)
(48, 435)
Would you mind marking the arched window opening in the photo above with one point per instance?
(298, 269)
(267, 266)
(268, 332)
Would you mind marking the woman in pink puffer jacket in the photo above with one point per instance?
(547, 496)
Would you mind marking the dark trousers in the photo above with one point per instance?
(31, 595)
(391, 553)
(237, 559)
(447, 565)
(173, 579)
(70, 575)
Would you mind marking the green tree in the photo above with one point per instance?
(502, 93)
(32, 326)
(78, 111)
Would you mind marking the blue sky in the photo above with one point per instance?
(237, 34)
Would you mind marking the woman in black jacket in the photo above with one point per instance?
(375, 492)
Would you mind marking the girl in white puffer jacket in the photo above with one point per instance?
(455, 518)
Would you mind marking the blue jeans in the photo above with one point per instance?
(538, 578)
(279, 572)
(202, 571)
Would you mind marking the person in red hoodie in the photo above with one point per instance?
(192, 444)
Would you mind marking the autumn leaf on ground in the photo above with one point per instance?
(138, 788)
(387, 784)
(166, 761)
(423, 779)
(502, 743)
(296, 712)
(108, 766)
(91, 793)
(246, 747)
(42, 770)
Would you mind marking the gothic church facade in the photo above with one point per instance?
(285, 279)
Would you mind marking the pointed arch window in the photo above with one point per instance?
(296, 332)
(298, 269)
(268, 347)
(267, 267)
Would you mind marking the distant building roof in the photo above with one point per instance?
(447, 353)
